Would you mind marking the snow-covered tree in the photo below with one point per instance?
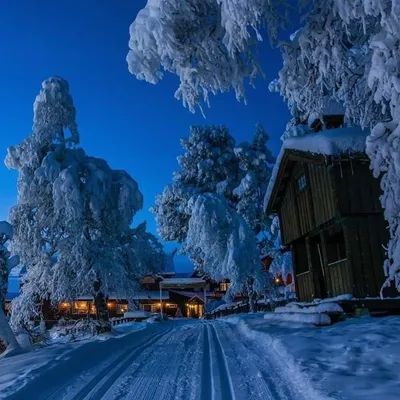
(72, 221)
(255, 164)
(345, 50)
(213, 164)
(223, 240)
(209, 44)
(6, 264)
(208, 165)
(349, 51)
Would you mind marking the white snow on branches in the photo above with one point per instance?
(208, 44)
(222, 239)
(73, 217)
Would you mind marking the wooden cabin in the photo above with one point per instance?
(330, 215)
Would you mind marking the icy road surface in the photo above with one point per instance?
(166, 361)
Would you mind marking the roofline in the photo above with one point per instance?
(290, 155)
(305, 157)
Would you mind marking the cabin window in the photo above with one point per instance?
(301, 259)
(146, 307)
(80, 307)
(224, 286)
(301, 182)
(122, 308)
(336, 248)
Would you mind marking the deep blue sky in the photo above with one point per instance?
(133, 125)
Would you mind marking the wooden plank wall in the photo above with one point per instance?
(340, 278)
(323, 193)
(305, 286)
(365, 237)
(289, 215)
(357, 190)
(306, 218)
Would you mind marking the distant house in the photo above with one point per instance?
(177, 294)
(330, 214)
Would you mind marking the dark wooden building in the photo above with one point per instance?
(330, 214)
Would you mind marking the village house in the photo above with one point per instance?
(177, 294)
(330, 214)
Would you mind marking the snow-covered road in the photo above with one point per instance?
(168, 361)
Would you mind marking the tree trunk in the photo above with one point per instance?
(101, 308)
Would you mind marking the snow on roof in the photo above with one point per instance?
(190, 295)
(151, 295)
(330, 142)
(182, 282)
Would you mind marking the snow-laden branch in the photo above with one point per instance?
(208, 44)
(223, 239)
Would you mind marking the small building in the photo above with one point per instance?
(330, 214)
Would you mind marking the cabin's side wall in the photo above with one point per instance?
(366, 237)
(340, 278)
(289, 218)
(323, 193)
(357, 190)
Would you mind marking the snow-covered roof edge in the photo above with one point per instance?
(330, 142)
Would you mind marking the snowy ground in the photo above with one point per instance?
(355, 359)
(245, 358)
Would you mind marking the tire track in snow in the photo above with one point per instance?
(253, 371)
(65, 378)
(101, 383)
(207, 379)
(189, 371)
(155, 375)
(261, 371)
(223, 385)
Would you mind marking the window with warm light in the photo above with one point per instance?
(80, 307)
(122, 308)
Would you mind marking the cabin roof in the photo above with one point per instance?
(311, 148)
(182, 283)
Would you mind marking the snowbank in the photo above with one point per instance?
(318, 319)
(356, 359)
(137, 314)
(282, 357)
(326, 307)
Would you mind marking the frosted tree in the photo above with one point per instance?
(213, 164)
(6, 264)
(72, 221)
(223, 240)
(208, 44)
(349, 51)
(346, 50)
(207, 165)
(255, 163)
